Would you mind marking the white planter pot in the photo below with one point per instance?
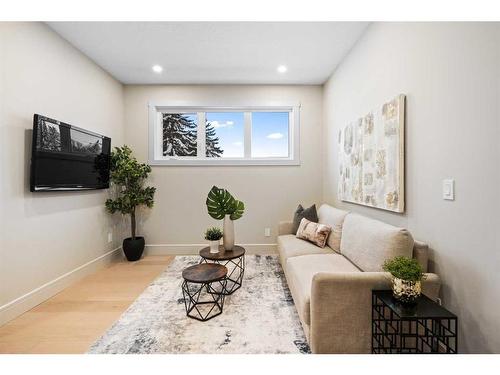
(214, 246)
(228, 237)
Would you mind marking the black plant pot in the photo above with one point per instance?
(133, 249)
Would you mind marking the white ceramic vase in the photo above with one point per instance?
(214, 246)
(228, 237)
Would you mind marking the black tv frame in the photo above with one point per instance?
(56, 188)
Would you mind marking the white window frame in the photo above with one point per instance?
(155, 134)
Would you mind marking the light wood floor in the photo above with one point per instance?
(72, 320)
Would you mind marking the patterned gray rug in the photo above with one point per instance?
(260, 317)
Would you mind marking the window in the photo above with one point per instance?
(270, 134)
(225, 134)
(210, 135)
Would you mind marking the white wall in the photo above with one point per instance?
(45, 235)
(270, 193)
(451, 76)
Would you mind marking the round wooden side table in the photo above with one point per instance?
(233, 259)
(204, 289)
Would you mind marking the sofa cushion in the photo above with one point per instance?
(291, 246)
(300, 213)
(368, 243)
(334, 218)
(300, 273)
(313, 232)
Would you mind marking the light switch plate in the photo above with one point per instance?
(449, 189)
(110, 237)
(267, 232)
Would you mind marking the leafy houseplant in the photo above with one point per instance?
(222, 205)
(129, 176)
(407, 275)
(213, 235)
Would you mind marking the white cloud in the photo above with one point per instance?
(274, 136)
(221, 124)
(239, 144)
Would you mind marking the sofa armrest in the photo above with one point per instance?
(421, 254)
(341, 309)
(285, 227)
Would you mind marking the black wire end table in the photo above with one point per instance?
(425, 327)
(233, 259)
(204, 289)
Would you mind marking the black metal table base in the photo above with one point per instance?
(198, 295)
(404, 331)
(236, 269)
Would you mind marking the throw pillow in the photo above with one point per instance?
(308, 213)
(313, 232)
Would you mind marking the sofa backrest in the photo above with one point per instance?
(368, 243)
(334, 218)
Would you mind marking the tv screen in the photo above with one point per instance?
(65, 157)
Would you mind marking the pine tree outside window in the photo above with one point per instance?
(212, 148)
(227, 129)
(209, 135)
(179, 134)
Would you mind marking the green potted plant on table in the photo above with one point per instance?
(222, 205)
(213, 236)
(407, 276)
(129, 176)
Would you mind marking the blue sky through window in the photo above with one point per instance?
(229, 127)
(270, 134)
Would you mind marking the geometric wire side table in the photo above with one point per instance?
(233, 259)
(424, 327)
(203, 290)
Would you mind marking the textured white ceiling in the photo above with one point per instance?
(214, 52)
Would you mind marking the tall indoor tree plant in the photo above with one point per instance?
(129, 176)
(222, 205)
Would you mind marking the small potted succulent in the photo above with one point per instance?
(213, 236)
(407, 276)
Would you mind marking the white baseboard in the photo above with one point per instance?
(26, 302)
(193, 249)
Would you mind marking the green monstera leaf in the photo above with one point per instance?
(220, 203)
(237, 210)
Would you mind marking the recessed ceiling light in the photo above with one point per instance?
(282, 69)
(157, 69)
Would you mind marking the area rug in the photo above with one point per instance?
(260, 317)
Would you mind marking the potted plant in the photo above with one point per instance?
(407, 275)
(129, 176)
(222, 205)
(213, 236)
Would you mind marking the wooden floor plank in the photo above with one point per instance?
(73, 319)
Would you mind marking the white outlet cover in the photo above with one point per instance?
(449, 189)
(110, 237)
(267, 232)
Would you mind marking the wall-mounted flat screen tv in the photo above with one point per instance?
(65, 157)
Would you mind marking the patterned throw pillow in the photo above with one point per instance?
(313, 232)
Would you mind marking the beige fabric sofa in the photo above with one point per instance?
(331, 287)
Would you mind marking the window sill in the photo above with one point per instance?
(223, 162)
